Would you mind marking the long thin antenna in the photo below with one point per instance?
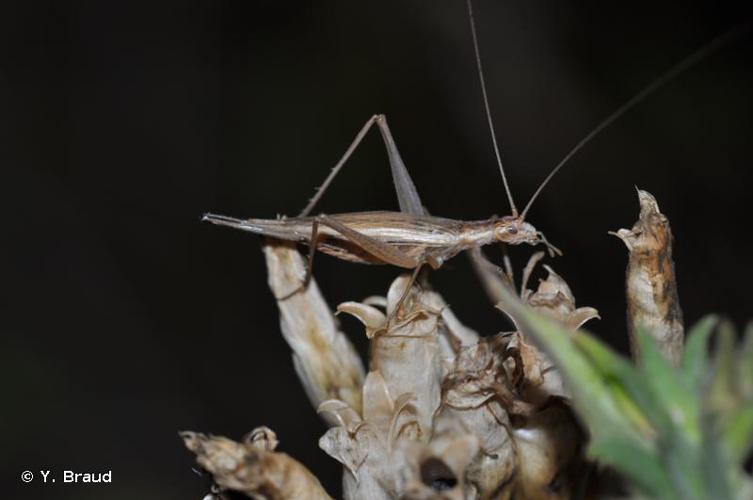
(711, 47)
(488, 111)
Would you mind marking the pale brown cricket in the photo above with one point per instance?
(412, 238)
(397, 238)
(409, 239)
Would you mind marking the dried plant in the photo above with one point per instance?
(652, 300)
(540, 412)
(253, 467)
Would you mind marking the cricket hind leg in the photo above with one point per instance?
(382, 251)
(387, 254)
(407, 195)
(378, 249)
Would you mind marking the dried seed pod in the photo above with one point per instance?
(531, 371)
(364, 443)
(549, 450)
(433, 418)
(324, 359)
(652, 300)
(263, 438)
(453, 335)
(407, 351)
(554, 298)
(437, 469)
(545, 436)
(478, 394)
(253, 468)
(398, 447)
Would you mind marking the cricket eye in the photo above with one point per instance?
(512, 230)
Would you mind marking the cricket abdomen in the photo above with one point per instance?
(390, 227)
(414, 237)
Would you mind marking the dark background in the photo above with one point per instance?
(124, 319)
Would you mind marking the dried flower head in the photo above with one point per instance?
(253, 467)
(442, 413)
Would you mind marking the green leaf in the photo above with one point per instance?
(592, 395)
(745, 364)
(643, 468)
(683, 464)
(647, 420)
(716, 471)
(694, 361)
(625, 383)
(671, 392)
(677, 418)
(723, 395)
(738, 433)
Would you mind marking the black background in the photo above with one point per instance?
(124, 319)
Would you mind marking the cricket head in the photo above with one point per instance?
(515, 230)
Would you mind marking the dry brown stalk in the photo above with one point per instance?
(324, 359)
(253, 467)
(651, 289)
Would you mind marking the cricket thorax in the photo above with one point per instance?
(476, 233)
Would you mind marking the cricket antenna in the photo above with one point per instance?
(488, 111)
(711, 47)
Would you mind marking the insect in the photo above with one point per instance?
(412, 238)
(407, 239)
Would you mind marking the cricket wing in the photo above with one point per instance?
(403, 229)
(411, 234)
